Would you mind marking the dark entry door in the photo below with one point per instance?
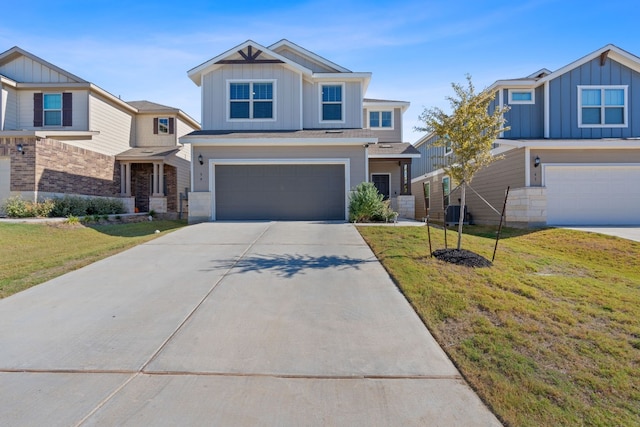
(381, 182)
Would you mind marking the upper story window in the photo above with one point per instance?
(381, 119)
(332, 103)
(446, 190)
(602, 106)
(251, 100)
(163, 126)
(52, 109)
(522, 96)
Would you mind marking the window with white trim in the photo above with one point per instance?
(332, 103)
(52, 109)
(381, 119)
(602, 106)
(522, 96)
(251, 100)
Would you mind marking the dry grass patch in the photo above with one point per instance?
(34, 253)
(550, 335)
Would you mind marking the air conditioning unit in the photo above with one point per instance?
(453, 215)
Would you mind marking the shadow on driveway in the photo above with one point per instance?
(288, 265)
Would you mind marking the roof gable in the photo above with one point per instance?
(306, 58)
(25, 67)
(248, 52)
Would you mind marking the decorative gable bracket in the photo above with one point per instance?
(250, 57)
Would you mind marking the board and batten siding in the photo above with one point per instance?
(563, 96)
(430, 158)
(26, 70)
(386, 135)
(286, 93)
(600, 156)
(9, 109)
(355, 154)
(351, 104)
(525, 120)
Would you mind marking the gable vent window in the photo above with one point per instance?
(251, 100)
(602, 106)
(331, 103)
(381, 119)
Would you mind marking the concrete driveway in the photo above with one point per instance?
(630, 232)
(228, 324)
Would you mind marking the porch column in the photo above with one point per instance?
(127, 179)
(161, 179)
(123, 179)
(154, 181)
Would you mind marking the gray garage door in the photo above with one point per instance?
(280, 192)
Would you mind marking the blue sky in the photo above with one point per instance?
(415, 49)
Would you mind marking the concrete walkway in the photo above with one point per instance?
(228, 324)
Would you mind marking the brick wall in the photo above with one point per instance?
(62, 168)
(23, 175)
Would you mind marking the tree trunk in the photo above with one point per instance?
(461, 219)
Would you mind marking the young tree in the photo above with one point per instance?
(469, 130)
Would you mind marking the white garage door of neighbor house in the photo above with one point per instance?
(280, 192)
(593, 194)
(5, 180)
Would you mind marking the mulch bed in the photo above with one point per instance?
(462, 257)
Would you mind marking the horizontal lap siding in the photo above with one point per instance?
(80, 108)
(9, 107)
(491, 183)
(354, 153)
(115, 127)
(581, 156)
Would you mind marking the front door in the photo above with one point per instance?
(381, 182)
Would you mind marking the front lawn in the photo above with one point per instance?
(547, 336)
(34, 253)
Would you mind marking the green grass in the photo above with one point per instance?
(547, 336)
(34, 253)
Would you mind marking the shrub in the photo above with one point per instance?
(366, 204)
(16, 207)
(83, 206)
(72, 220)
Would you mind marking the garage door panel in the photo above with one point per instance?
(280, 192)
(593, 194)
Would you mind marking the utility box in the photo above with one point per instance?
(453, 215)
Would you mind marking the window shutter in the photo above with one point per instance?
(155, 125)
(67, 109)
(171, 125)
(37, 110)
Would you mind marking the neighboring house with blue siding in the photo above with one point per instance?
(571, 155)
(287, 135)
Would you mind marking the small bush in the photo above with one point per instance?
(82, 206)
(72, 220)
(366, 204)
(16, 207)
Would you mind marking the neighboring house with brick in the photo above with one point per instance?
(571, 156)
(61, 135)
(287, 135)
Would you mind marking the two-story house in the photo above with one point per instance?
(62, 135)
(287, 135)
(571, 156)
